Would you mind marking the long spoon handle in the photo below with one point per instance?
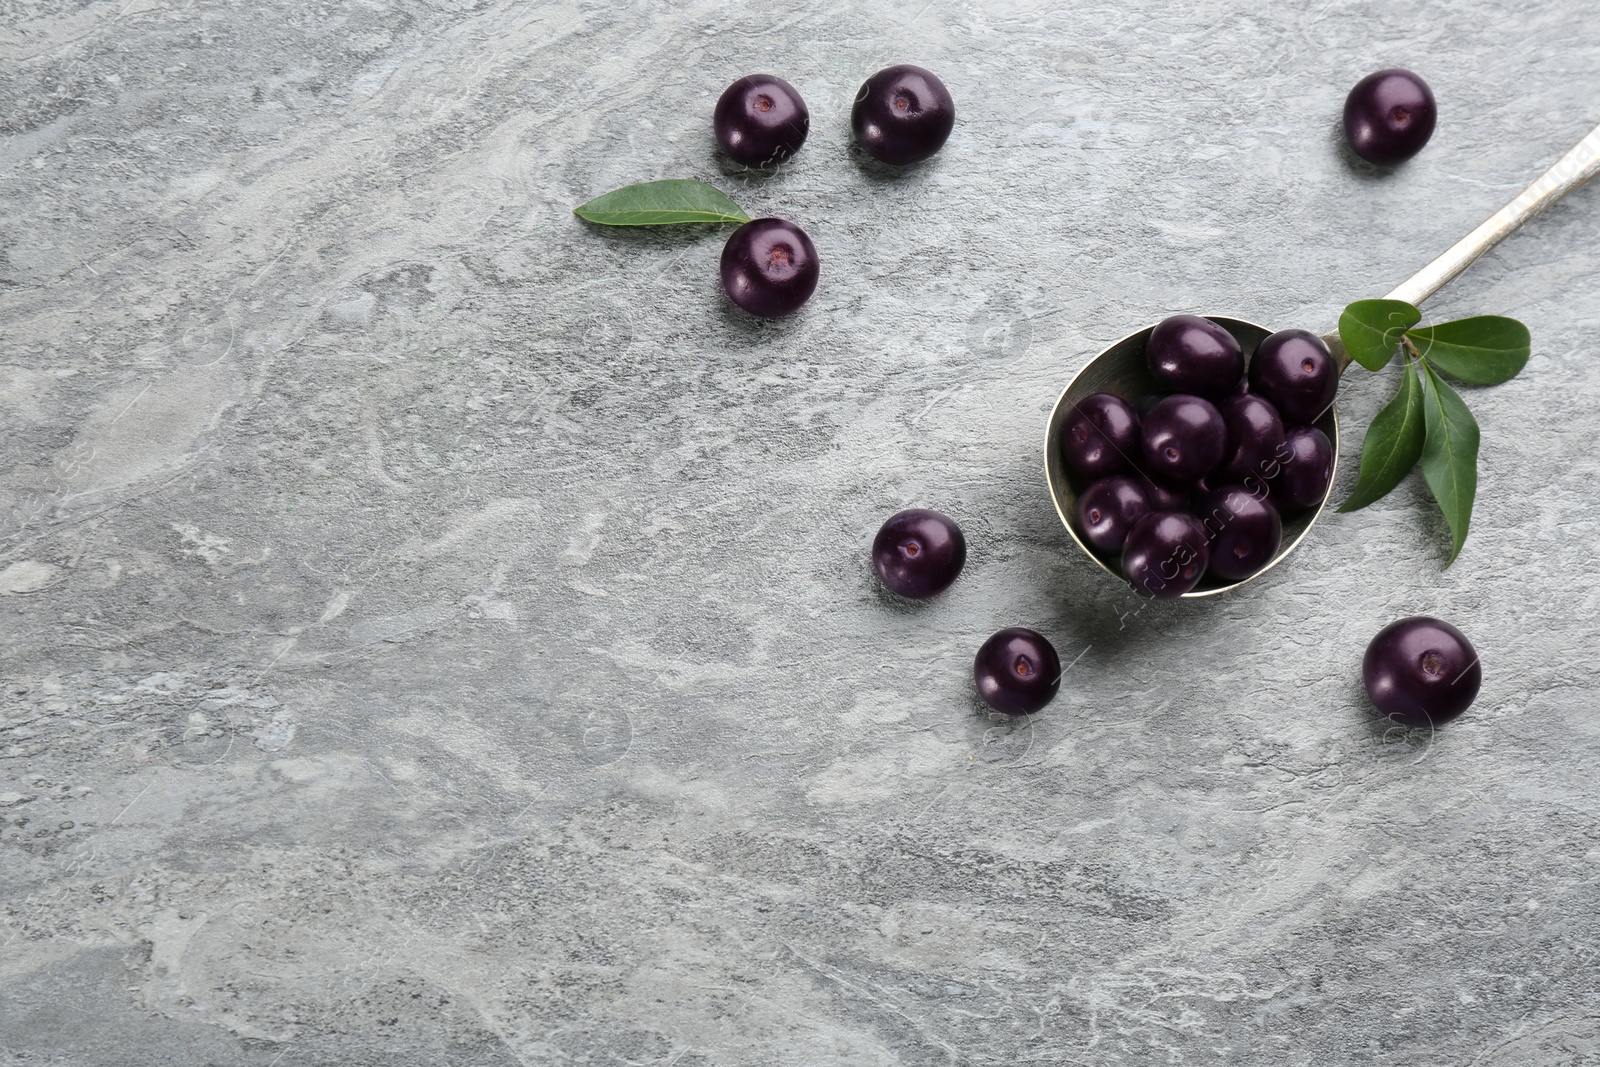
(1569, 172)
(1565, 175)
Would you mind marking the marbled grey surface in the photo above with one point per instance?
(438, 632)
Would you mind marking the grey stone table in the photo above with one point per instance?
(436, 631)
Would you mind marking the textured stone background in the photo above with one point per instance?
(438, 632)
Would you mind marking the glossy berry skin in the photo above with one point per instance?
(1421, 671)
(1306, 469)
(1102, 436)
(1245, 532)
(1255, 434)
(769, 267)
(1389, 116)
(760, 120)
(918, 553)
(1108, 509)
(1166, 554)
(1017, 671)
(1189, 354)
(902, 115)
(1183, 438)
(1295, 370)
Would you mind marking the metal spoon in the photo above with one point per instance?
(1121, 369)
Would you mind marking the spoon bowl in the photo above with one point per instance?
(1121, 369)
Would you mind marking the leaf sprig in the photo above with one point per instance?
(1427, 422)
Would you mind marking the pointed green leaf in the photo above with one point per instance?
(663, 203)
(1393, 444)
(1449, 455)
(1483, 350)
(1371, 330)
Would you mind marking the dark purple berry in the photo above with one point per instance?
(1183, 438)
(902, 114)
(1109, 508)
(1017, 671)
(1102, 436)
(761, 119)
(769, 267)
(1295, 370)
(1389, 116)
(918, 553)
(1188, 354)
(1255, 434)
(1245, 532)
(1305, 469)
(1166, 554)
(1420, 671)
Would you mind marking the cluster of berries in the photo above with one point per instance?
(902, 115)
(1196, 481)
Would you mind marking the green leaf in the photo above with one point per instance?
(1393, 444)
(663, 203)
(1483, 350)
(1371, 330)
(1449, 455)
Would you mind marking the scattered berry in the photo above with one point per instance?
(1166, 554)
(1189, 354)
(769, 267)
(902, 114)
(1017, 671)
(1109, 508)
(1421, 671)
(1102, 436)
(1389, 116)
(1183, 438)
(918, 553)
(1296, 372)
(761, 119)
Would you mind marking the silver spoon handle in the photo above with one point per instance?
(1569, 172)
